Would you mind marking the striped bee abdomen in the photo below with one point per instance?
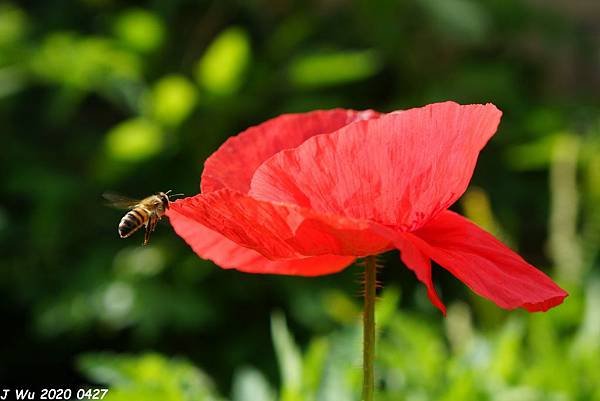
(132, 221)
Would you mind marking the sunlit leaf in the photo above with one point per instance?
(386, 307)
(477, 207)
(172, 99)
(13, 24)
(313, 367)
(463, 387)
(250, 384)
(593, 173)
(83, 62)
(588, 338)
(134, 140)
(342, 377)
(140, 29)
(333, 68)
(459, 327)
(506, 362)
(289, 359)
(148, 377)
(222, 68)
(532, 156)
(340, 307)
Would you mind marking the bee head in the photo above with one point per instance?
(164, 198)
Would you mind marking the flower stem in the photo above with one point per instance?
(369, 328)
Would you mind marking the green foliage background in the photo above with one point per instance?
(100, 95)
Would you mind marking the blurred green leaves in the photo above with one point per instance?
(534, 155)
(134, 140)
(465, 20)
(131, 292)
(136, 262)
(140, 30)
(172, 99)
(289, 360)
(249, 382)
(83, 62)
(149, 377)
(333, 68)
(519, 360)
(221, 69)
(164, 107)
(13, 25)
(477, 207)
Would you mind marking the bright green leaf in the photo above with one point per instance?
(172, 99)
(134, 140)
(147, 377)
(221, 69)
(387, 306)
(140, 29)
(314, 366)
(506, 361)
(83, 62)
(532, 156)
(250, 384)
(289, 358)
(340, 307)
(334, 68)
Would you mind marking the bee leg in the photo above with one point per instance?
(150, 228)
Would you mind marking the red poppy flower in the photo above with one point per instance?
(306, 194)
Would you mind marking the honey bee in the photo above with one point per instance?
(142, 212)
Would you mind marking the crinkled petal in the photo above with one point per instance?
(211, 245)
(486, 265)
(398, 170)
(234, 163)
(420, 264)
(280, 231)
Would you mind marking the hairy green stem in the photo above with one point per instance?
(369, 328)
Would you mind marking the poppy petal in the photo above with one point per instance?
(280, 231)
(420, 264)
(234, 163)
(398, 170)
(211, 245)
(486, 265)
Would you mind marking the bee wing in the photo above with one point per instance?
(119, 201)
